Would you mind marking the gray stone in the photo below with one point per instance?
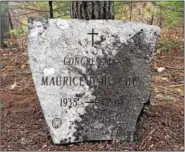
(91, 92)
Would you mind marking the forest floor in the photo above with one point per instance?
(23, 126)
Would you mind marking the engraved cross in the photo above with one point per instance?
(93, 36)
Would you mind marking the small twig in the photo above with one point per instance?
(165, 87)
(145, 139)
(177, 85)
(174, 68)
(171, 86)
(18, 73)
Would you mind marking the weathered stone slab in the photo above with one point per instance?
(91, 86)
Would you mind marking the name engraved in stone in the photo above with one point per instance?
(62, 81)
(90, 61)
(79, 61)
(129, 81)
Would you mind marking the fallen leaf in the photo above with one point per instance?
(23, 66)
(157, 90)
(158, 51)
(4, 51)
(13, 86)
(163, 78)
(164, 98)
(182, 148)
(44, 146)
(168, 98)
(160, 69)
(159, 78)
(158, 97)
(180, 91)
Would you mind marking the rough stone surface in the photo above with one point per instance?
(91, 92)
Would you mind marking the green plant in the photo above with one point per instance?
(170, 12)
(20, 31)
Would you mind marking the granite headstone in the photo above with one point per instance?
(92, 77)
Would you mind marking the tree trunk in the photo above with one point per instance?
(130, 11)
(92, 10)
(4, 21)
(10, 21)
(51, 9)
(152, 19)
(160, 15)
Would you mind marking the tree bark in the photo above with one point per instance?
(4, 21)
(92, 10)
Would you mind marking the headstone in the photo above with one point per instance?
(92, 77)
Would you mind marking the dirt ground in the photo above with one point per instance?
(23, 126)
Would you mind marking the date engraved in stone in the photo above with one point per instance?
(71, 102)
(108, 102)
